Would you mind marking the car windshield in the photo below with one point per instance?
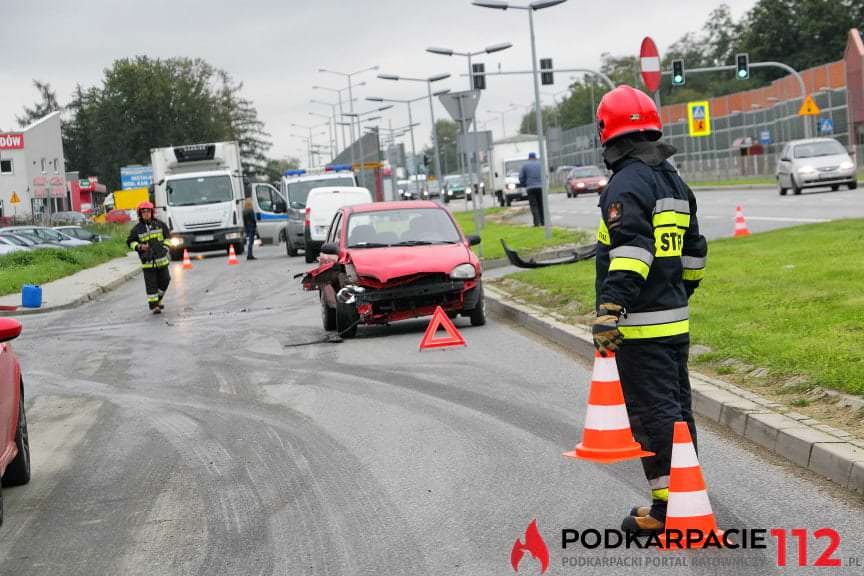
(198, 191)
(585, 172)
(299, 191)
(454, 181)
(821, 148)
(29, 235)
(13, 240)
(512, 167)
(408, 227)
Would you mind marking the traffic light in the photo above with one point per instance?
(478, 79)
(426, 158)
(546, 78)
(678, 78)
(742, 65)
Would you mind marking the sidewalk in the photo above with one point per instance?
(808, 443)
(78, 288)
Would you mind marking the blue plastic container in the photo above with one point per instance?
(31, 296)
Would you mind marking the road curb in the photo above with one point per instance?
(801, 440)
(125, 273)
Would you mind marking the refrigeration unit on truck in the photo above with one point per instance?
(198, 192)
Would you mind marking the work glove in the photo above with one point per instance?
(607, 338)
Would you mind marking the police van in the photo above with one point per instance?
(271, 211)
(295, 186)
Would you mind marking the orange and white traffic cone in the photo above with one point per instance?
(740, 223)
(187, 263)
(232, 256)
(688, 509)
(607, 436)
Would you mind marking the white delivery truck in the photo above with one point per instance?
(509, 154)
(198, 192)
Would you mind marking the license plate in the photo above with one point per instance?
(205, 238)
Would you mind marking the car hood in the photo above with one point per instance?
(385, 264)
(822, 161)
(588, 179)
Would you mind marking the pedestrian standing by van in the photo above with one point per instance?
(531, 179)
(150, 238)
(250, 226)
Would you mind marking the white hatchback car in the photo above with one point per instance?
(814, 163)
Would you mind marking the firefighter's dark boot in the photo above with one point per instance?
(156, 310)
(642, 525)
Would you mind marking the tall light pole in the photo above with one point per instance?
(309, 140)
(333, 106)
(429, 80)
(469, 55)
(356, 117)
(541, 138)
(310, 129)
(349, 76)
(338, 92)
(502, 114)
(330, 127)
(411, 123)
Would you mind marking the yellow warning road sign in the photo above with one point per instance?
(699, 118)
(15, 199)
(809, 108)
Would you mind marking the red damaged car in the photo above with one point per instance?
(392, 261)
(14, 440)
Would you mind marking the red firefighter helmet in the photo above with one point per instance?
(144, 206)
(626, 110)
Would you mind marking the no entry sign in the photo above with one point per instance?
(649, 59)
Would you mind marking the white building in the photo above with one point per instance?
(32, 167)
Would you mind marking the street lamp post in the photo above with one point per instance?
(338, 92)
(531, 8)
(437, 78)
(330, 127)
(502, 114)
(310, 129)
(356, 117)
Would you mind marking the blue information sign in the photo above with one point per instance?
(765, 137)
(136, 177)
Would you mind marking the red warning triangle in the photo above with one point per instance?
(439, 320)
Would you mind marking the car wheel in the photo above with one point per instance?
(175, 256)
(835, 187)
(795, 188)
(500, 200)
(347, 319)
(853, 185)
(509, 202)
(18, 471)
(782, 189)
(446, 200)
(290, 249)
(239, 249)
(328, 315)
(478, 315)
(309, 256)
(1, 506)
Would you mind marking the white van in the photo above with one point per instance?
(321, 206)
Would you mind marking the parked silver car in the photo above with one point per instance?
(46, 235)
(814, 163)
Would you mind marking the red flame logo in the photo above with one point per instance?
(534, 544)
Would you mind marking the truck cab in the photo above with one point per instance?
(199, 192)
(295, 187)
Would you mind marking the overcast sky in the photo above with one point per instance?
(275, 47)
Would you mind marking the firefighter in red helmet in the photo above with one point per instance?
(650, 259)
(150, 238)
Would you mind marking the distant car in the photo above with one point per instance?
(814, 163)
(81, 233)
(118, 217)
(583, 179)
(407, 190)
(46, 235)
(455, 187)
(10, 248)
(24, 240)
(14, 438)
(68, 218)
(392, 261)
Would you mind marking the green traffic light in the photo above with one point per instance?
(679, 79)
(742, 73)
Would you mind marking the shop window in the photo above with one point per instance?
(6, 166)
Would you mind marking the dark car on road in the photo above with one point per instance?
(14, 439)
(582, 179)
(392, 261)
(455, 187)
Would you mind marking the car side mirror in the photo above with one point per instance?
(330, 248)
(9, 329)
(473, 240)
(784, 159)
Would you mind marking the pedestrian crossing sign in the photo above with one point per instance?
(699, 118)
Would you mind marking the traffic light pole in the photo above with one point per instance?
(782, 66)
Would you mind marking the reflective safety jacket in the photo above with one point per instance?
(650, 255)
(156, 235)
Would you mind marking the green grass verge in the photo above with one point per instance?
(518, 237)
(732, 182)
(788, 300)
(41, 266)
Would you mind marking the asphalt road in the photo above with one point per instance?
(764, 209)
(224, 437)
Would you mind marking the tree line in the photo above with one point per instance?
(145, 103)
(800, 33)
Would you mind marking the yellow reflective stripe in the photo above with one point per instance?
(668, 242)
(133, 245)
(603, 234)
(630, 265)
(694, 274)
(671, 219)
(660, 494)
(656, 330)
(152, 298)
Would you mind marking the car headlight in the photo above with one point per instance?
(175, 241)
(580, 185)
(847, 165)
(602, 182)
(807, 170)
(463, 272)
(233, 236)
(511, 186)
(449, 192)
